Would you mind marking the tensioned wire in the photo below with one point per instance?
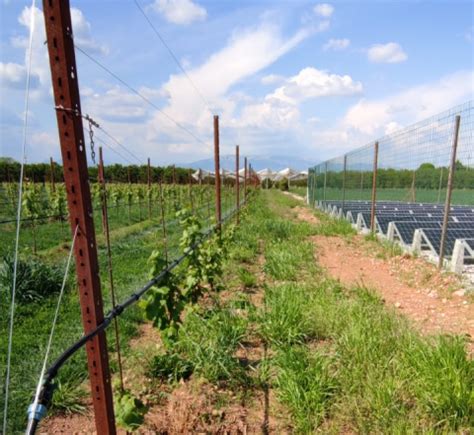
(18, 216)
(53, 326)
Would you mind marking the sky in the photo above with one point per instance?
(293, 78)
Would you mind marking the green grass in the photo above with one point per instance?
(346, 362)
(209, 339)
(305, 385)
(459, 196)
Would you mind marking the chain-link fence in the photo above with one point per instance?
(423, 173)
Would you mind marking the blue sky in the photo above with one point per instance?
(286, 77)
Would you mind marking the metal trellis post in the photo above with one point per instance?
(447, 204)
(237, 181)
(51, 164)
(217, 171)
(60, 44)
(148, 176)
(245, 179)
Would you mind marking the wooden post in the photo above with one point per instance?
(62, 59)
(374, 187)
(217, 171)
(447, 204)
(51, 165)
(237, 181)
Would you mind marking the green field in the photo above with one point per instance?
(459, 196)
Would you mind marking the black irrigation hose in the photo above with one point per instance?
(35, 415)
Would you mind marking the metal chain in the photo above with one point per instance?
(91, 137)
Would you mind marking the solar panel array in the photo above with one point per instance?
(409, 217)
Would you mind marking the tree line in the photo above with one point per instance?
(116, 173)
(426, 176)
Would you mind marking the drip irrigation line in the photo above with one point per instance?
(47, 386)
(178, 63)
(139, 94)
(18, 217)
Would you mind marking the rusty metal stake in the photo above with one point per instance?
(237, 182)
(245, 180)
(217, 171)
(374, 187)
(447, 204)
(109, 263)
(51, 165)
(163, 220)
(148, 175)
(62, 59)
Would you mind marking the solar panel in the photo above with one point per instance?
(406, 230)
(452, 234)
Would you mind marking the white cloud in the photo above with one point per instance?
(313, 83)
(12, 75)
(272, 79)
(269, 114)
(324, 10)
(387, 53)
(180, 11)
(247, 52)
(82, 34)
(39, 54)
(374, 117)
(336, 44)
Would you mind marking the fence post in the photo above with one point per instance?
(374, 187)
(447, 205)
(237, 180)
(315, 188)
(413, 187)
(440, 185)
(51, 164)
(325, 181)
(217, 170)
(62, 60)
(344, 185)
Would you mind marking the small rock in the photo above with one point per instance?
(398, 305)
(459, 293)
(444, 300)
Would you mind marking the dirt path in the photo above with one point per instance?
(411, 285)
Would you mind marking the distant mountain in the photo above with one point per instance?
(276, 163)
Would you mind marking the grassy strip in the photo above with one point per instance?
(343, 361)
